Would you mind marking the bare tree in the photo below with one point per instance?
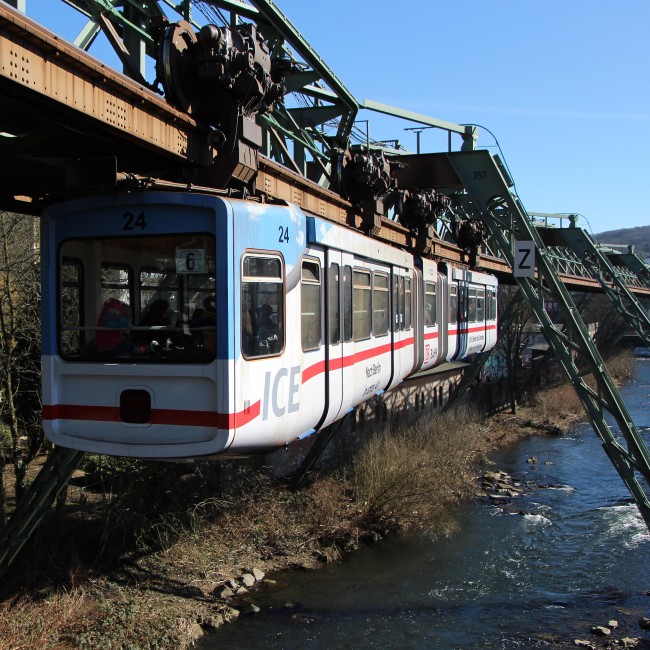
(20, 403)
(514, 340)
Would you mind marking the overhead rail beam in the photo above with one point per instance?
(469, 133)
(65, 106)
(49, 86)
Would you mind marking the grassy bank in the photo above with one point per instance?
(146, 555)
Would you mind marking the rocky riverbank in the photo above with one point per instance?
(197, 567)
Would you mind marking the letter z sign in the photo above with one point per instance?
(524, 259)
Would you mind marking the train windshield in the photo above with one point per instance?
(144, 299)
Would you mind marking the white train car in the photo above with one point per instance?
(182, 325)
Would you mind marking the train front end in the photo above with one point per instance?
(135, 361)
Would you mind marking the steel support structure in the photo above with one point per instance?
(325, 436)
(36, 501)
(609, 278)
(489, 196)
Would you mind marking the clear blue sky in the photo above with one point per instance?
(562, 84)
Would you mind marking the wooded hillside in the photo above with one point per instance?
(639, 237)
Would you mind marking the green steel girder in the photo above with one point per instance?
(299, 80)
(630, 261)
(34, 504)
(610, 281)
(508, 222)
(130, 26)
(111, 9)
(308, 118)
(283, 122)
(283, 25)
(468, 132)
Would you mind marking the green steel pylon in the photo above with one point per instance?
(36, 501)
(507, 222)
(609, 277)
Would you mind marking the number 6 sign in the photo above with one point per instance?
(190, 260)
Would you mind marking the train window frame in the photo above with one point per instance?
(111, 286)
(361, 327)
(480, 305)
(430, 311)
(76, 329)
(453, 303)
(380, 294)
(334, 311)
(158, 291)
(408, 303)
(471, 305)
(398, 305)
(494, 302)
(348, 330)
(110, 253)
(311, 331)
(252, 347)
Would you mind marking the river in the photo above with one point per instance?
(570, 553)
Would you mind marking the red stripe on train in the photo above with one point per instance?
(173, 417)
(337, 363)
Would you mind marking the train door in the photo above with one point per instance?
(417, 320)
(430, 313)
(491, 316)
(402, 332)
(463, 320)
(452, 319)
(313, 340)
(443, 316)
(338, 283)
(347, 342)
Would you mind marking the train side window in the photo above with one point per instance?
(334, 305)
(347, 303)
(471, 308)
(480, 305)
(117, 280)
(72, 307)
(380, 312)
(453, 303)
(262, 305)
(430, 303)
(407, 304)
(361, 305)
(310, 317)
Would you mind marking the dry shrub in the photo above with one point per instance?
(38, 625)
(409, 477)
(558, 404)
(620, 363)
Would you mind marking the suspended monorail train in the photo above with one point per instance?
(187, 325)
